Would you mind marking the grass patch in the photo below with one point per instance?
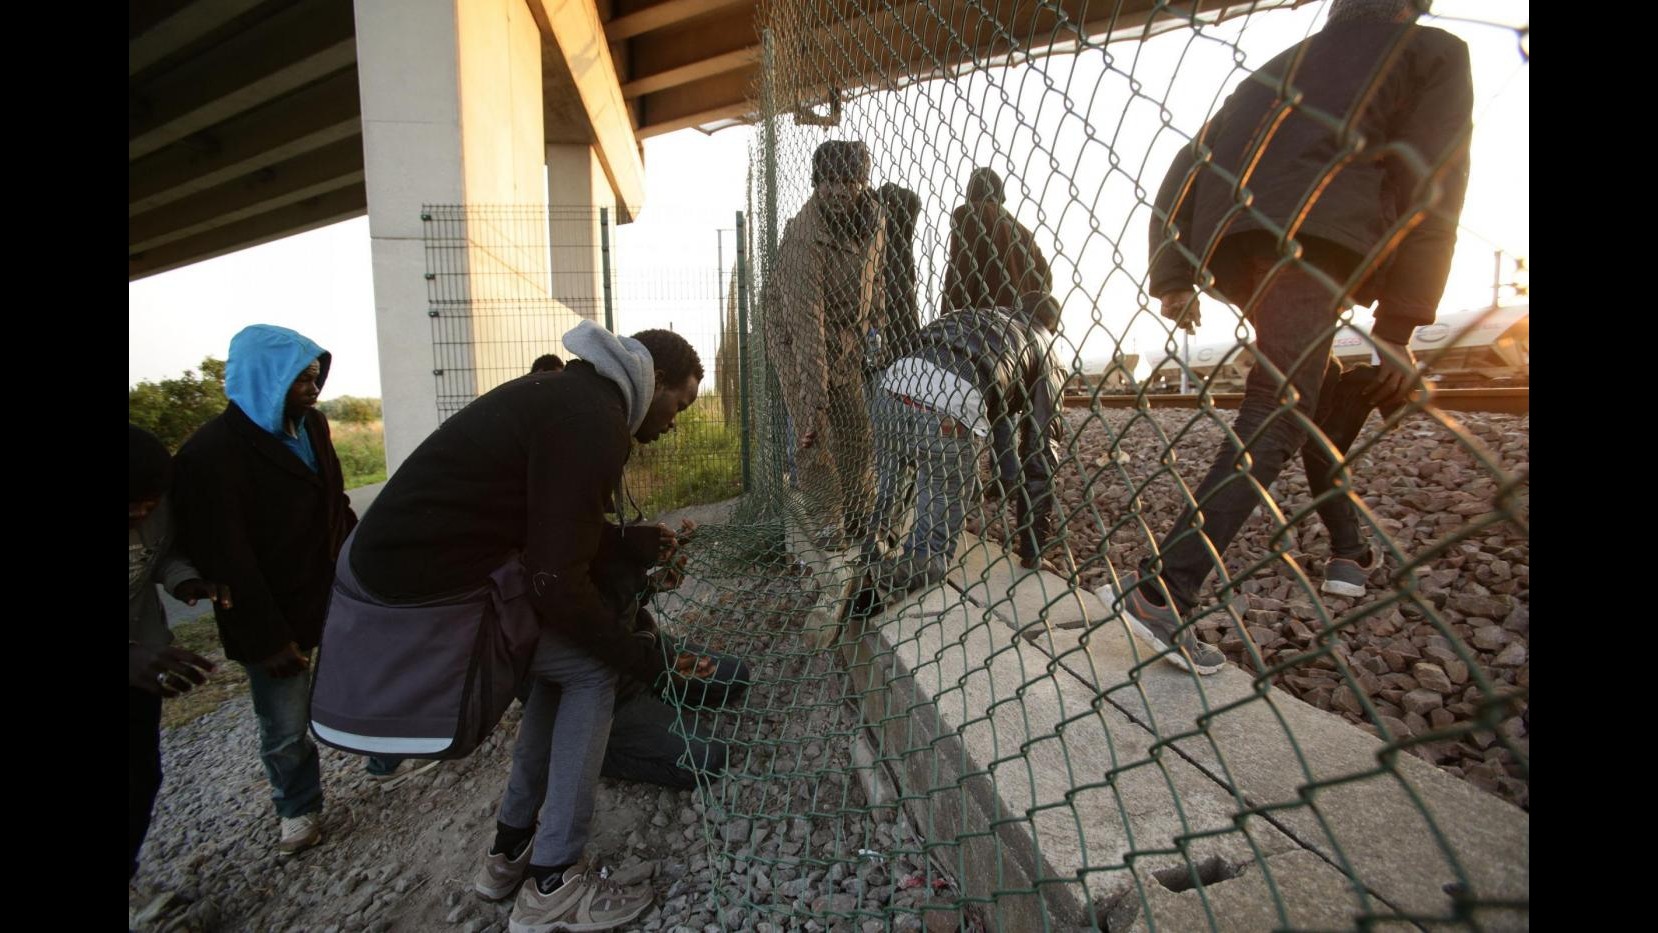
(701, 461)
(361, 447)
(201, 635)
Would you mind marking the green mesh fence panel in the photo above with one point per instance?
(506, 282)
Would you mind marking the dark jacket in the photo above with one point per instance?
(1385, 206)
(531, 467)
(252, 515)
(1009, 361)
(993, 259)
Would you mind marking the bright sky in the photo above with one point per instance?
(1060, 182)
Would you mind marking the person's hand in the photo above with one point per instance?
(809, 438)
(1181, 307)
(690, 665)
(670, 541)
(289, 662)
(1396, 375)
(668, 577)
(168, 672)
(197, 588)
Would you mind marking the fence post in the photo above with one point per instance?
(742, 342)
(604, 268)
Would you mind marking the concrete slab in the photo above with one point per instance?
(1404, 827)
(993, 578)
(1039, 788)
(1292, 890)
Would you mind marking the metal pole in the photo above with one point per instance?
(1185, 370)
(604, 268)
(742, 344)
(768, 114)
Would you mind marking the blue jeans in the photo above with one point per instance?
(381, 767)
(908, 438)
(561, 744)
(283, 706)
(1295, 323)
(649, 743)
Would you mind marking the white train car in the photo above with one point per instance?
(1463, 349)
(1112, 379)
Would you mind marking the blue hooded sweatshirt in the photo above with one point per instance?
(263, 364)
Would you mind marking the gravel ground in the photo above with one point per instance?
(781, 834)
(1457, 657)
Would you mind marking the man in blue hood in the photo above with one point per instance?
(261, 507)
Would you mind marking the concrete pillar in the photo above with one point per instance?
(452, 115)
(576, 189)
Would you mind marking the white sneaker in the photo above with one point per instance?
(299, 833)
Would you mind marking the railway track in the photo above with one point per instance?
(1506, 400)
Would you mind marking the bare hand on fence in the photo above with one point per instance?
(1397, 374)
(1182, 308)
(670, 541)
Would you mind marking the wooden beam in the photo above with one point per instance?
(942, 37)
(664, 15)
(576, 31)
(324, 113)
(182, 28)
(674, 77)
(739, 110)
(281, 54)
(716, 34)
(309, 214)
(718, 92)
(264, 190)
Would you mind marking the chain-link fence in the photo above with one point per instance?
(505, 283)
(1028, 651)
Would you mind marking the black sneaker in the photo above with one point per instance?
(1160, 626)
(1347, 577)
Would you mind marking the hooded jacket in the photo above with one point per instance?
(1387, 211)
(252, 512)
(994, 259)
(528, 469)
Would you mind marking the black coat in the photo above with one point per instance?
(252, 515)
(1384, 200)
(529, 468)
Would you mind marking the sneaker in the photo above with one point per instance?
(299, 833)
(499, 875)
(584, 901)
(1159, 625)
(1346, 577)
(408, 768)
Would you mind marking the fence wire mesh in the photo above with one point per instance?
(1018, 657)
(1025, 648)
(506, 282)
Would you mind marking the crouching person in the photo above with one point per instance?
(934, 408)
(482, 546)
